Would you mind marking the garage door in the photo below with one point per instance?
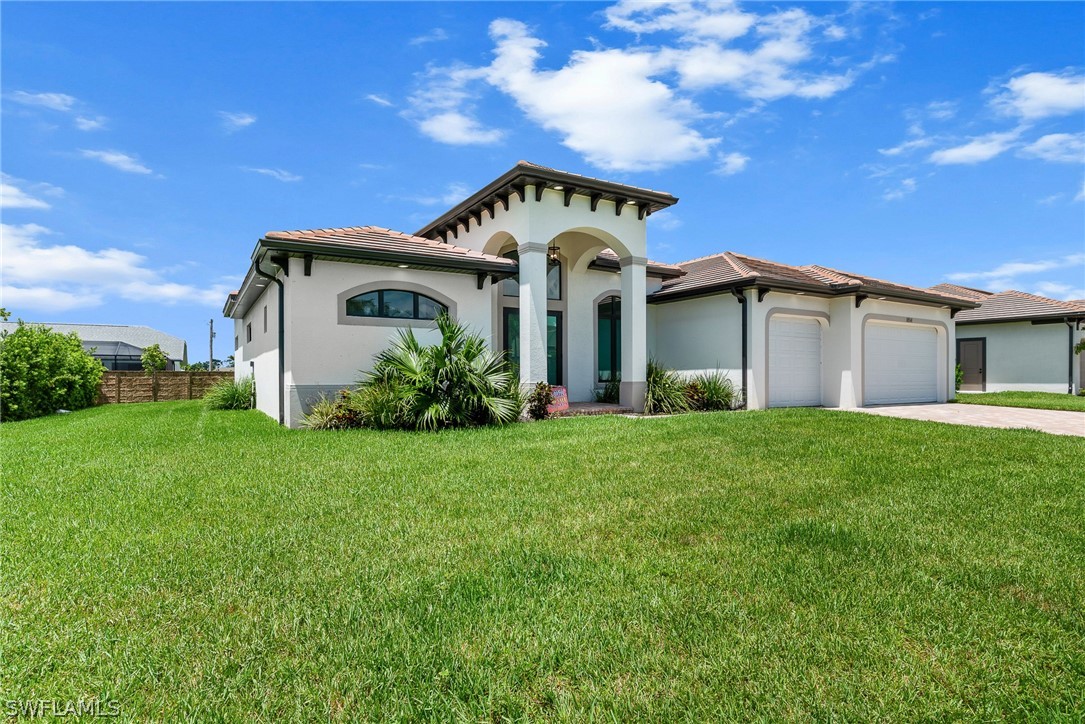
(794, 362)
(900, 364)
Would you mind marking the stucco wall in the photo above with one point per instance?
(259, 357)
(698, 335)
(1025, 356)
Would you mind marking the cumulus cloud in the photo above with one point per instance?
(18, 194)
(633, 108)
(276, 173)
(1057, 147)
(53, 101)
(48, 277)
(980, 148)
(1033, 96)
(118, 160)
(732, 163)
(236, 121)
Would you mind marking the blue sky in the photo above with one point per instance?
(146, 147)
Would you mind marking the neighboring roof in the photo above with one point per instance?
(968, 292)
(525, 174)
(607, 260)
(100, 335)
(726, 271)
(1012, 305)
(112, 349)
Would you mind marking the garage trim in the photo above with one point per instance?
(823, 319)
(919, 321)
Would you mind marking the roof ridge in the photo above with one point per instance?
(831, 272)
(1057, 302)
(735, 260)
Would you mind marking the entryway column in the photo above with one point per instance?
(532, 312)
(634, 332)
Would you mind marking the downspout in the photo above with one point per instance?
(282, 338)
(740, 295)
(1070, 369)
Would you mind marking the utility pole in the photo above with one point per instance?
(211, 347)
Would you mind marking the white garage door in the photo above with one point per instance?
(900, 364)
(794, 362)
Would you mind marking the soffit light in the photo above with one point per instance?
(403, 266)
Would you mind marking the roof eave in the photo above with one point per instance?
(465, 265)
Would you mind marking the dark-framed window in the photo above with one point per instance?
(511, 287)
(248, 332)
(265, 319)
(394, 304)
(608, 336)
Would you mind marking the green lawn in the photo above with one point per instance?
(1038, 400)
(801, 564)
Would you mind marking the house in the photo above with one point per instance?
(1018, 341)
(551, 267)
(120, 346)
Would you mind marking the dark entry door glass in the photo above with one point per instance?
(553, 342)
(971, 354)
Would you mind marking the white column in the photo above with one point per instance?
(532, 313)
(634, 332)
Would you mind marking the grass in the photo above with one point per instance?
(792, 564)
(1037, 400)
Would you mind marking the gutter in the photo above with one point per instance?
(282, 337)
(740, 295)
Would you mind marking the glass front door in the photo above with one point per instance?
(553, 342)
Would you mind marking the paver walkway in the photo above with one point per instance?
(1056, 422)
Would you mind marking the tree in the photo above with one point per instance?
(153, 359)
(42, 371)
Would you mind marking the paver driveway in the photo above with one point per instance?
(1056, 422)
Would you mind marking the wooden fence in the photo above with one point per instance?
(156, 387)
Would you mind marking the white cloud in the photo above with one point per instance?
(433, 36)
(906, 187)
(907, 146)
(236, 121)
(980, 148)
(941, 110)
(15, 195)
(732, 163)
(87, 123)
(632, 108)
(1057, 147)
(276, 173)
(118, 160)
(1058, 290)
(1005, 273)
(1041, 95)
(665, 220)
(379, 100)
(53, 101)
(45, 277)
(453, 194)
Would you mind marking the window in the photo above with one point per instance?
(265, 319)
(248, 332)
(511, 286)
(609, 339)
(394, 304)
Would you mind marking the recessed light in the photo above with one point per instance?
(559, 188)
(403, 266)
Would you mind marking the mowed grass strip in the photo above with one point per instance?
(1037, 400)
(776, 565)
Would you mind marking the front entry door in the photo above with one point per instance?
(972, 357)
(511, 325)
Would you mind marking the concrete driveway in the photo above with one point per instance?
(1056, 422)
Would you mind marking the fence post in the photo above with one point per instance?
(189, 373)
(154, 386)
(118, 386)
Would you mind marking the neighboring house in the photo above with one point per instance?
(120, 346)
(551, 267)
(1018, 341)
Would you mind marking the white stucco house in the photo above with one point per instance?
(551, 267)
(1018, 341)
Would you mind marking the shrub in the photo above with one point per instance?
(539, 400)
(958, 378)
(710, 391)
(230, 395)
(458, 382)
(611, 392)
(42, 371)
(664, 391)
(342, 413)
(153, 359)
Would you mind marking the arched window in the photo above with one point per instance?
(608, 339)
(511, 286)
(394, 304)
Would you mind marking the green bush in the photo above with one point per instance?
(958, 378)
(611, 392)
(710, 391)
(230, 395)
(664, 391)
(42, 371)
(457, 383)
(342, 413)
(539, 401)
(153, 359)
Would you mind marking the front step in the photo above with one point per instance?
(578, 409)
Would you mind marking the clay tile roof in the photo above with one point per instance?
(380, 244)
(608, 258)
(967, 292)
(1013, 305)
